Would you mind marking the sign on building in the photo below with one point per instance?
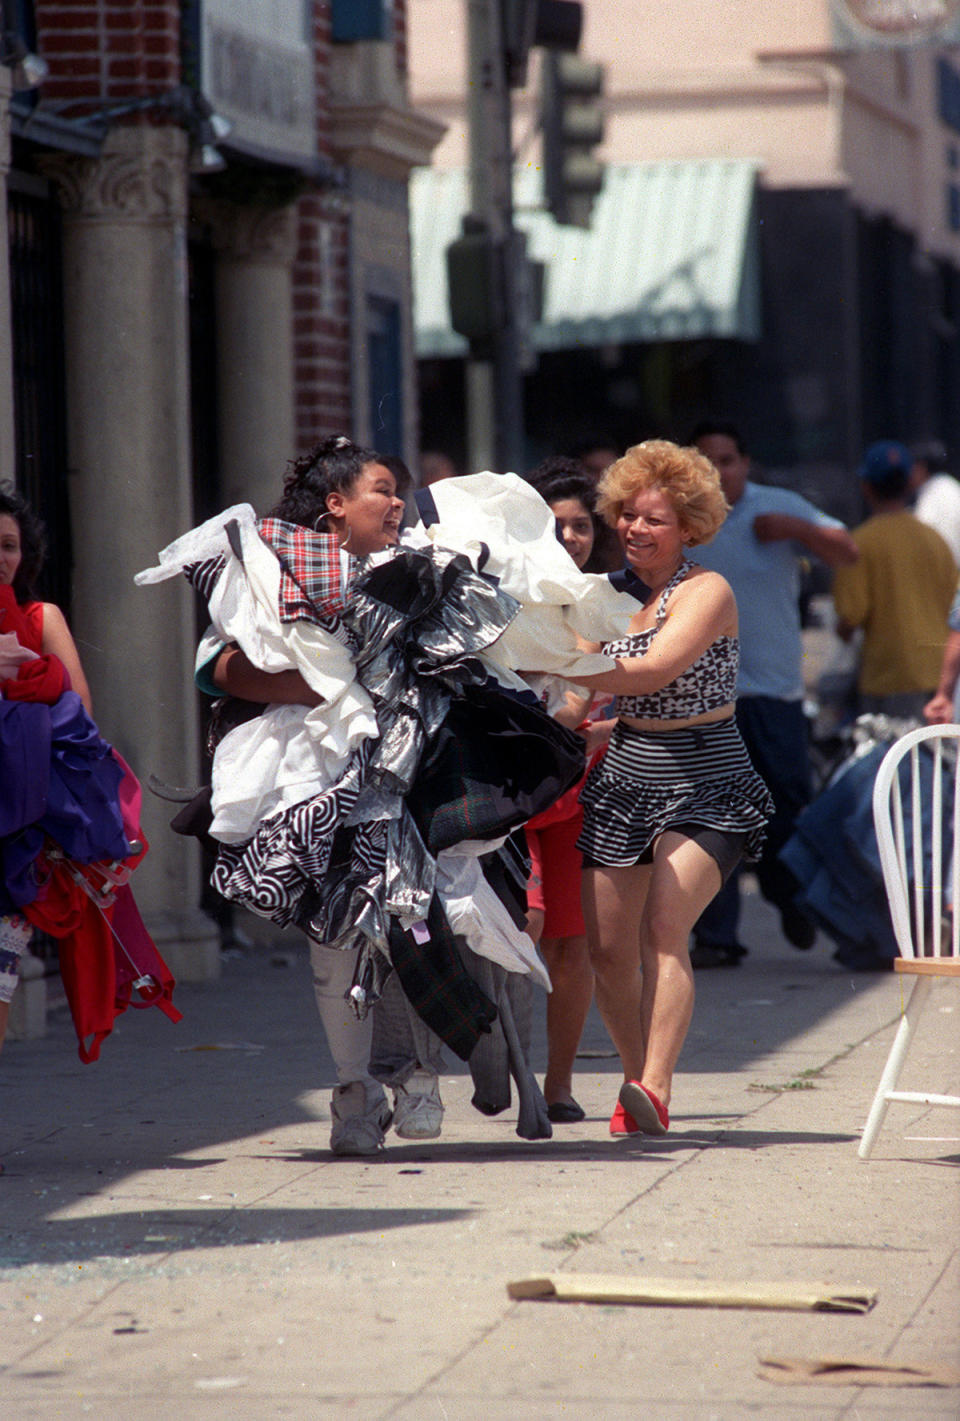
(871, 24)
(257, 63)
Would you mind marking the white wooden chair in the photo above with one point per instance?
(917, 887)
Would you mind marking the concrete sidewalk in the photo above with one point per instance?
(176, 1236)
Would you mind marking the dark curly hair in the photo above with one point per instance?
(33, 541)
(556, 466)
(561, 477)
(332, 467)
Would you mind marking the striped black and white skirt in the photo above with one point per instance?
(650, 781)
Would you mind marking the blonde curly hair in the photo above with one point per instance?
(686, 476)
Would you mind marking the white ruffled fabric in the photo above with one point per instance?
(476, 913)
(290, 753)
(501, 523)
(209, 540)
(266, 764)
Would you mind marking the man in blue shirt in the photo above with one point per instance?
(756, 551)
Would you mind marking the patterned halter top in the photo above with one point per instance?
(709, 683)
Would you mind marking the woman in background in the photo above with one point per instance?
(41, 628)
(22, 554)
(555, 915)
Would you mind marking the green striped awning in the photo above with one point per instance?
(671, 255)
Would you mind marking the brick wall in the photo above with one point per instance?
(321, 323)
(400, 33)
(107, 50)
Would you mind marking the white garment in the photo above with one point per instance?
(938, 505)
(208, 540)
(290, 753)
(508, 532)
(271, 762)
(475, 913)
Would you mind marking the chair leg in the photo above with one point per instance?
(895, 1060)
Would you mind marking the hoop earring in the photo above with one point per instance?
(328, 514)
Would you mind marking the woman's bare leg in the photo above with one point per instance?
(571, 975)
(684, 879)
(613, 903)
(15, 935)
(535, 924)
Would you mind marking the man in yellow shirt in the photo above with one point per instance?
(898, 591)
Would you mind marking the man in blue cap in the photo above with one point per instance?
(898, 591)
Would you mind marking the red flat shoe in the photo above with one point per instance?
(637, 1101)
(622, 1122)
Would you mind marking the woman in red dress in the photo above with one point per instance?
(42, 629)
(555, 916)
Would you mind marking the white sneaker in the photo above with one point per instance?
(359, 1120)
(418, 1109)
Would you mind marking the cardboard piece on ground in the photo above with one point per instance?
(856, 1371)
(695, 1292)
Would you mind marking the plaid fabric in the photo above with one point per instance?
(310, 583)
(438, 986)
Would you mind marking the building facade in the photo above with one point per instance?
(853, 137)
(190, 308)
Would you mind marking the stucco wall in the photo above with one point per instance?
(754, 80)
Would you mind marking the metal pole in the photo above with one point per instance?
(494, 386)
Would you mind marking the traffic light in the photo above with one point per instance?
(571, 120)
(482, 276)
(525, 23)
(475, 282)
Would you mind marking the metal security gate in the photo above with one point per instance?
(36, 299)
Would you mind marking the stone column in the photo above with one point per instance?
(128, 413)
(255, 248)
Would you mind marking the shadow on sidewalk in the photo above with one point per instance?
(150, 1232)
(249, 1060)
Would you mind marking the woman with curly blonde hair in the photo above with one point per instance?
(676, 803)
